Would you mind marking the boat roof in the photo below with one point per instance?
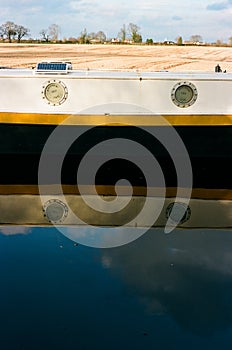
(114, 74)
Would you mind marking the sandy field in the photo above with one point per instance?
(123, 57)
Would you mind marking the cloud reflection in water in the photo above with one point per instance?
(187, 276)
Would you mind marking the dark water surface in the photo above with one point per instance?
(158, 292)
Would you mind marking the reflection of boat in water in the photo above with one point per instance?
(22, 205)
(107, 105)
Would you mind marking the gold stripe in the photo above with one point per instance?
(197, 193)
(114, 120)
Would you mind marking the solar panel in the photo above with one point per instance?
(53, 67)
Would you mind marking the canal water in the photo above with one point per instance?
(158, 292)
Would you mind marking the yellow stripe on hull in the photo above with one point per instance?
(109, 190)
(117, 120)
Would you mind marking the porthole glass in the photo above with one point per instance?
(184, 94)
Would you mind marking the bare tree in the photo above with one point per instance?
(179, 40)
(134, 33)
(196, 38)
(45, 35)
(8, 30)
(100, 36)
(21, 31)
(122, 33)
(54, 32)
(92, 36)
(219, 42)
(84, 38)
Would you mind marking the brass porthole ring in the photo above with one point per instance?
(184, 94)
(55, 92)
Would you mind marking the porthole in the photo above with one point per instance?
(55, 92)
(184, 94)
(178, 212)
(55, 211)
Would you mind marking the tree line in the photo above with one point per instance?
(11, 31)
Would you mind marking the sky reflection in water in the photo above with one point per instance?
(171, 291)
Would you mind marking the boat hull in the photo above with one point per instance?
(208, 147)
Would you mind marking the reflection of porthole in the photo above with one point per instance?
(55, 211)
(184, 94)
(55, 92)
(178, 212)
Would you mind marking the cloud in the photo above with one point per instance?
(151, 16)
(106, 262)
(32, 10)
(129, 10)
(14, 230)
(177, 18)
(186, 275)
(218, 6)
(97, 9)
(80, 5)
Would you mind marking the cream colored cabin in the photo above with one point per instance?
(114, 92)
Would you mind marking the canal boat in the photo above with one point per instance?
(52, 115)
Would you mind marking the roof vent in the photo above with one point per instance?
(53, 67)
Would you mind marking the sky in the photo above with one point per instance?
(157, 19)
